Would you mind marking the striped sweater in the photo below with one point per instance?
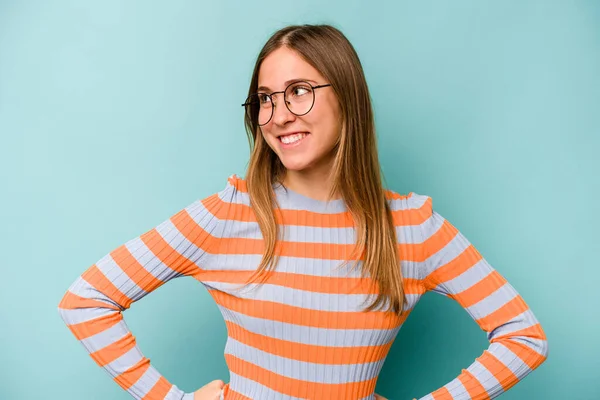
(302, 334)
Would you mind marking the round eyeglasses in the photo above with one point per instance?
(299, 98)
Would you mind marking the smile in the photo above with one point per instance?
(292, 140)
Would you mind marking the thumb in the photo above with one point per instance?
(218, 382)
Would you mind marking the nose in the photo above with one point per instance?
(281, 114)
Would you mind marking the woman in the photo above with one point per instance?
(314, 265)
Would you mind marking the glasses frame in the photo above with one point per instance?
(270, 96)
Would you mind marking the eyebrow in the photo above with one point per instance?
(286, 83)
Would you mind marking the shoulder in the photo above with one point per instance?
(236, 183)
(411, 208)
(233, 191)
(228, 201)
(414, 217)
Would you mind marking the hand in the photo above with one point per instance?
(210, 391)
(379, 397)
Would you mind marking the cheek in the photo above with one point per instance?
(270, 140)
(326, 121)
(265, 132)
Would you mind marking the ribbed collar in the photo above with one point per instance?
(291, 200)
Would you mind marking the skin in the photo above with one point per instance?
(308, 165)
(210, 391)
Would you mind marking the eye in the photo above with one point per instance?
(263, 98)
(300, 90)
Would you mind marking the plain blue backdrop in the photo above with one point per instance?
(116, 114)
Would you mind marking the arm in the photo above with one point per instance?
(92, 306)
(455, 269)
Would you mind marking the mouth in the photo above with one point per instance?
(292, 139)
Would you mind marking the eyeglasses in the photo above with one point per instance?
(299, 98)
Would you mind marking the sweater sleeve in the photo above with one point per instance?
(93, 305)
(455, 269)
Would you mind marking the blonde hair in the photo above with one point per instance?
(356, 169)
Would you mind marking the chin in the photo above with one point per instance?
(295, 165)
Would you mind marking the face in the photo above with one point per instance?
(312, 154)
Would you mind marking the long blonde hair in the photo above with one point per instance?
(356, 169)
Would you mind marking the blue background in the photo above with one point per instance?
(114, 115)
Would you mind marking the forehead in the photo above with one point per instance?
(284, 65)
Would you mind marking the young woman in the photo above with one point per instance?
(313, 263)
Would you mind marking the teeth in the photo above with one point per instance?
(292, 138)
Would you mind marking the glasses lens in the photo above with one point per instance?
(259, 108)
(300, 97)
